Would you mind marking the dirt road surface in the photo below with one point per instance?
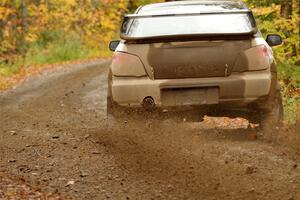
(55, 139)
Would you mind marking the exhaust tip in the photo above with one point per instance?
(148, 103)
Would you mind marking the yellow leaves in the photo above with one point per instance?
(65, 3)
(71, 2)
(266, 10)
(30, 37)
(4, 13)
(2, 2)
(270, 21)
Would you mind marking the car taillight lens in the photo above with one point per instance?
(263, 50)
(125, 64)
(255, 58)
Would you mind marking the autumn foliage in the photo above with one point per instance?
(42, 32)
(26, 22)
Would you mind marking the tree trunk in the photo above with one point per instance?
(24, 15)
(286, 9)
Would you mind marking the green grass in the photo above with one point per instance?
(53, 47)
(65, 49)
(289, 76)
(291, 110)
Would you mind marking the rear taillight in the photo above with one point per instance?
(255, 58)
(263, 51)
(125, 64)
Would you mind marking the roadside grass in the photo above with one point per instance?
(65, 49)
(289, 76)
(51, 49)
(292, 110)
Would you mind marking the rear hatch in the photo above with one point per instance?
(196, 59)
(189, 45)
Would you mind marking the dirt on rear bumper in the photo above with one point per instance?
(244, 87)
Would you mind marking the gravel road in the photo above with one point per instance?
(54, 137)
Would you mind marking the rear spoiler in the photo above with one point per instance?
(240, 11)
(190, 36)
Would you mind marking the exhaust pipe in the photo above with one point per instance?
(148, 103)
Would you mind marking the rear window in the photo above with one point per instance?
(188, 25)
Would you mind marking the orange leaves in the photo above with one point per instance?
(5, 12)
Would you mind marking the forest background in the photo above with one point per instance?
(36, 34)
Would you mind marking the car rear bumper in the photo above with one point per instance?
(238, 87)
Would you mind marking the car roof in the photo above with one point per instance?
(191, 6)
